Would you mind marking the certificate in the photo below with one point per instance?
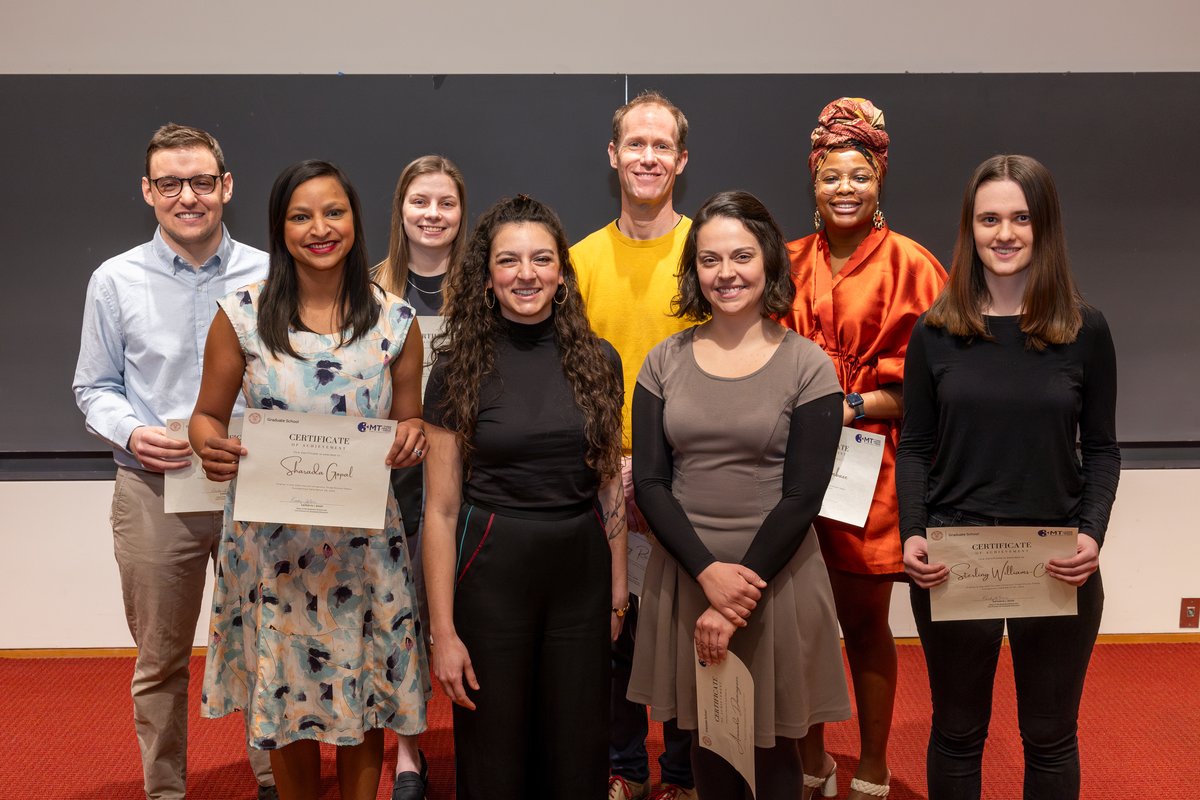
(1000, 572)
(639, 555)
(725, 712)
(855, 473)
(188, 489)
(430, 327)
(313, 469)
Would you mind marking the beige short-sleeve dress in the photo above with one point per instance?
(728, 439)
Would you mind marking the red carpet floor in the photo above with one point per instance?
(68, 732)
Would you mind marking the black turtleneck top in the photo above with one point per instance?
(529, 445)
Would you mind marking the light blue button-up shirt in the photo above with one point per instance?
(144, 325)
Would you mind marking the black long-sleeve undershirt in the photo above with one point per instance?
(808, 463)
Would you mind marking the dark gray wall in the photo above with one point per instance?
(1119, 145)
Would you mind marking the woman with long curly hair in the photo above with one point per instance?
(524, 539)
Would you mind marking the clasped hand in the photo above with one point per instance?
(732, 589)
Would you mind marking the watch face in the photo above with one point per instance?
(854, 399)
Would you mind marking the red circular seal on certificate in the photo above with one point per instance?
(936, 535)
(254, 417)
(175, 425)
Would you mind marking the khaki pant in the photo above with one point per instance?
(163, 559)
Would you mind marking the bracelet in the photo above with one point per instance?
(622, 611)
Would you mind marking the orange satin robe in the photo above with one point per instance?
(862, 318)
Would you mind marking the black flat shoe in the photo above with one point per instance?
(267, 792)
(411, 785)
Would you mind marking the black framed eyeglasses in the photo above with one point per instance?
(170, 186)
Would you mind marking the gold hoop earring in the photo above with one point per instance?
(565, 293)
(488, 294)
(817, 219)
(877, 220)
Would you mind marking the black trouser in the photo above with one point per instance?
(1050, 659)
(532, 604)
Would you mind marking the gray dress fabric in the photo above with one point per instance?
(728, 438)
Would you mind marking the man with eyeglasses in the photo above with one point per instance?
(145, 321)
(626, 272)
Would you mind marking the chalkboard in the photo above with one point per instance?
(1120, 146)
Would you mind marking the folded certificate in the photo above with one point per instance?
(1000, 572)
(855, 473)
(188, 489)
(313, 469)
(725, 712)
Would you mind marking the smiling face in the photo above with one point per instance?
(847, 191)
(319, 225)
(1003, 231)
(730, 267)
(646, 159)
(432, 212)
(524, 271)
(191, 223)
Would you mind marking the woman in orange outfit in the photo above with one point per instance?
(859, 289)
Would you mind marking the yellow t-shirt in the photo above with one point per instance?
(627, 285)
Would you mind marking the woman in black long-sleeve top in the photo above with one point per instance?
(1004, 373)
(524, 571)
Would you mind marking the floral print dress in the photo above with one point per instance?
(314, 629)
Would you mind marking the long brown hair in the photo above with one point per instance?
(1051, 306)
(392, 272)
(279, 306)
(467, 340)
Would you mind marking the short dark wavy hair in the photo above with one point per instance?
(691, 303)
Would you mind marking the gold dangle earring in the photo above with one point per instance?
(877, 220)
(817, 219)
(565, 293)
(489, 295)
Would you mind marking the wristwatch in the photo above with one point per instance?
(855, 401)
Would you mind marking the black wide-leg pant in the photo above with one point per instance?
(532, 604)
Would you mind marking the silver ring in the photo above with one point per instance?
(418, 452)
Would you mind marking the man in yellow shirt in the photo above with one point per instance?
(626, 273)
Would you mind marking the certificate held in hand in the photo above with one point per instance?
(1000, 572)
(313, 469)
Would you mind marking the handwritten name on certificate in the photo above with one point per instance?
(313, 469)
(855, 473)
(725, 712)
(1000, 572)
(639, 556)
(188, 489)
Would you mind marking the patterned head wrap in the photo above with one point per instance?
(850, 122)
